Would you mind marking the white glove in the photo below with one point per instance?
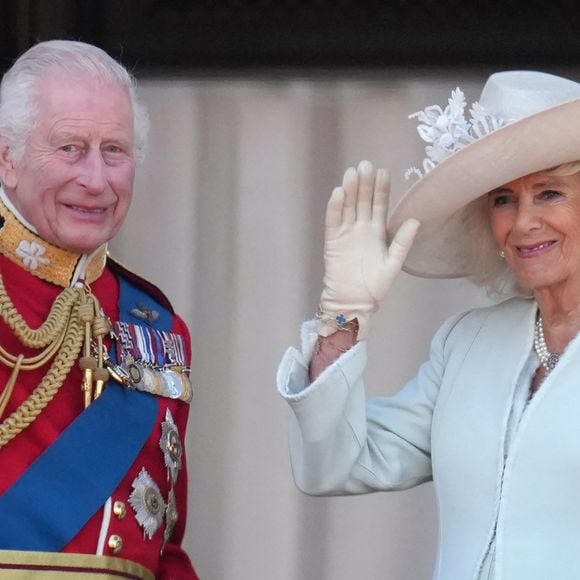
(360, 267)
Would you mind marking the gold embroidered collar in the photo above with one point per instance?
(42, 259)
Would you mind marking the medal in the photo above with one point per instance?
(147, 503)
(152, 361)
(171, 446)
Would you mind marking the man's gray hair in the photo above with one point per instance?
(19, 89)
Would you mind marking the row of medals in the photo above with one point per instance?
(170, 381)
(167, 382)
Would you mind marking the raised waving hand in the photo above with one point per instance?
(359, 265)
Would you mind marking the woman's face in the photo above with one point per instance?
(536, 222)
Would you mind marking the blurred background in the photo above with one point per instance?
(256, 110)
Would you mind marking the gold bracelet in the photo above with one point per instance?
(339, 321)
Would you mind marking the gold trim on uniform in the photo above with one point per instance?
(17, 565)
(42, 259)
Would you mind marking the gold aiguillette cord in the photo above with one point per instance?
(60, 339)
(96, 327)
(75, 326)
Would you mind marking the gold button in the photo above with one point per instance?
(115, 543)
(119, 509)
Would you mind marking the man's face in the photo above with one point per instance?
(74, 182)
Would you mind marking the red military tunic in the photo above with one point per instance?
(33, 298)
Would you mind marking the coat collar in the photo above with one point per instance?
(23, 246)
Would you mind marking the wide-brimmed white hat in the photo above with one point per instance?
(524, 122)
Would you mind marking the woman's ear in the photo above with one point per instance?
(7, 166)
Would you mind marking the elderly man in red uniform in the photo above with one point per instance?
(94, 390)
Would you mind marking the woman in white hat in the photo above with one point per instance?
(493, 416)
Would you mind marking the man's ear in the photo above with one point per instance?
(7, 166)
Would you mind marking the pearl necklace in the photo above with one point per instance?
(547, 359)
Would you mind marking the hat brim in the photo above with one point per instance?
(535, 143)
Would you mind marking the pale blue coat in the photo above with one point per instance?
(449, 424)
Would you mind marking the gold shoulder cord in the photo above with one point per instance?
(75, 318)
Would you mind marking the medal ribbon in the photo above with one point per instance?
(151, 347)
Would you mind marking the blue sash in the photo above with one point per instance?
(66, 485)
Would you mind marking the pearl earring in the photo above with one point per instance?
(501, 254)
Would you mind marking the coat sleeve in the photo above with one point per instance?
(340, 443)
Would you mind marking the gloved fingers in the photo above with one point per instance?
(381, 197)
(366, 186)
(350, 184)
(402, 241)
(334, 208)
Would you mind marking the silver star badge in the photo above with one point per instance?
(170, 444)
(147, 502)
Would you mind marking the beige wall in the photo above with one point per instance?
(227, 219)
